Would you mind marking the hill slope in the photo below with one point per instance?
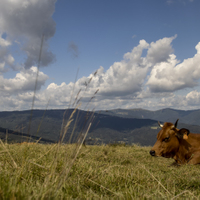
(170, 115)
(107, 127)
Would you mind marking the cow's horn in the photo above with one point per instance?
(176, 123)
(160, 124)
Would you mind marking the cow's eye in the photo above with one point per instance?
(166, 139)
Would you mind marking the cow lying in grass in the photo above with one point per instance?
(179, 144)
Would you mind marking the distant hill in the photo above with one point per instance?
(166, 115)
(128, 126)
(11, 136)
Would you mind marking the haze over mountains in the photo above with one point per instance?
(119, 125)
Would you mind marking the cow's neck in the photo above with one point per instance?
(187, 149)
(182, 159)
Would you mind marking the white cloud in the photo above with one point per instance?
(172, 75)
(4, 43)
(193, 98)
(125, 77)
(160, 50)
(22, 82)
(120, 85)
(122, 80)
(148, 82)
(10, 60)
(25, 21)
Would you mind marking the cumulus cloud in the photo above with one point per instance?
(140, 81)
(193, 98)
(4, 43)
(25, 21)
(5, 57)
(2, 69)
(23, 81)
(147, 81)
(121, 83)
(160, 50)
(122, 80)
(125, 77)
(172, 75)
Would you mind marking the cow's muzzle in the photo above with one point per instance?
(152, 152)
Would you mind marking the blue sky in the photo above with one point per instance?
(104, 30)
(146, 53)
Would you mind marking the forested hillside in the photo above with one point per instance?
(106, 127)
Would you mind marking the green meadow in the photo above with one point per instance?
(73, 171)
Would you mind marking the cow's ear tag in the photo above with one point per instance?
(183, 133)
(185, 137)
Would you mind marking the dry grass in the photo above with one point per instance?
(95, 172)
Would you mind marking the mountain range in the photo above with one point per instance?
(166, 115)
(110, 126)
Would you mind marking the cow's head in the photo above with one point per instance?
(168, 140)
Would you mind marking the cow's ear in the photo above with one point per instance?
(183, 133)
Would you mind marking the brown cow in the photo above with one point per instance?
(179, 144)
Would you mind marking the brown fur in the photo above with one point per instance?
(181, 145)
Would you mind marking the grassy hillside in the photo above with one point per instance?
(38, 171)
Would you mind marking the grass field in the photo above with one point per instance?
(38, 171)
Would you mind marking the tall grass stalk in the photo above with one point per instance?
(35, 88)
(67, 168)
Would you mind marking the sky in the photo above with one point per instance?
(99, 54)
